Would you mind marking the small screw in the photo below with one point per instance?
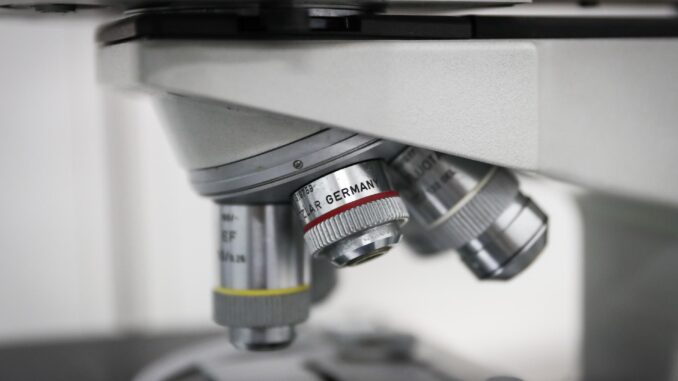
(298, 164)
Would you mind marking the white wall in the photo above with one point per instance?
(54, 252)
(101, 233)
(163, 234)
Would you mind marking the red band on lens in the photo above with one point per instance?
(348, 206)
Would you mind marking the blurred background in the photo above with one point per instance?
(101, 237)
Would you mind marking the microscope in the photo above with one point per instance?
(290, 188)
(329, 131)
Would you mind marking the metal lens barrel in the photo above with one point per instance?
(474, 208)
(351, 215)
(264, 288)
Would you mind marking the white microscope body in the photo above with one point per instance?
(339, 121)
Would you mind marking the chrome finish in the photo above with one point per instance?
(368, 245)
(272, 176)
(433, 186)
(510, 244)
(471, 207)
(340, 188)
(351, 215)
(261, 251)
(261, 339)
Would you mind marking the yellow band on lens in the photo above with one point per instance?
(273, 292)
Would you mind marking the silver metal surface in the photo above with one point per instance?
(264, 276)
(351, 215)
(261, 339)
(434, 186)
(339, 188)
(259, 249)
(510, 244)
(474, 208)
(272, 176)
(365, 246)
